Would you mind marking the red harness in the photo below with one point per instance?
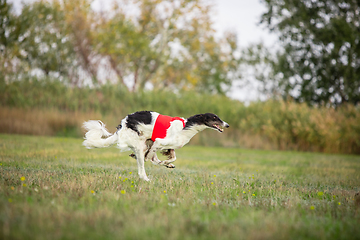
(162, 124)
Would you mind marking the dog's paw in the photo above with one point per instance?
(145, 178)
(170, 165)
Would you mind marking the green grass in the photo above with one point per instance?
(69, 192)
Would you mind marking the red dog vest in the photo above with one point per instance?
(162, 124)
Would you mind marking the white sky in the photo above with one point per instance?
(242, 16)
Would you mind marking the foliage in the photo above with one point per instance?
(79, 19)
(55, 188)
(44, 43)
(298, 126)
(321, 58)
(9, 34)
(168, 44)
(257, 67)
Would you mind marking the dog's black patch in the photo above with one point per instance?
(138, 117)
(202, 119)
(196, 119)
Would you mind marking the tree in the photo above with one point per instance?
(9, 34)
(44, 41)
(79, 19)
(168, 44)
(320, 62)
(128, 46)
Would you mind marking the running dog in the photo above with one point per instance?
(147, 132)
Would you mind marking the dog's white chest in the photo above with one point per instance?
(176, 137)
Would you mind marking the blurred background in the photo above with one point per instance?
(284, 74)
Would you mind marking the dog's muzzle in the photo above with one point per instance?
(221, 128)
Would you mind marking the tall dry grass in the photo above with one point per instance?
(296, 126)
(51, 108)
(50, 122)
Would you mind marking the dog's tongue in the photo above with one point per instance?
(218, 128)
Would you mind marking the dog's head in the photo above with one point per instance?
(210, 120)
(214, 122)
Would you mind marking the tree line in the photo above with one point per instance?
(169, 44)
(173, 45)
(320, 57)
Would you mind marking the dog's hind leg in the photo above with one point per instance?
(139, 152)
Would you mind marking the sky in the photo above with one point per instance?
(241, 16)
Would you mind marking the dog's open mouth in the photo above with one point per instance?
(218, 128)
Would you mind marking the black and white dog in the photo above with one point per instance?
(147, 132)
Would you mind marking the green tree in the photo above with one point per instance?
(44, 41)
(169, 44)
(79, 20)
(9, 34)
(320, 62)
(128, 47)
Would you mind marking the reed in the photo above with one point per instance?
(51, 108)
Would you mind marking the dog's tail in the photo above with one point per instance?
(97, 136)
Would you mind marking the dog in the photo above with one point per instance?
(146, 132)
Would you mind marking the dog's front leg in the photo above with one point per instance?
(148, 144)
(151, 154)
(171, 158)
(155, 160)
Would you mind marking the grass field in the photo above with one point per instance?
(53, 188)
